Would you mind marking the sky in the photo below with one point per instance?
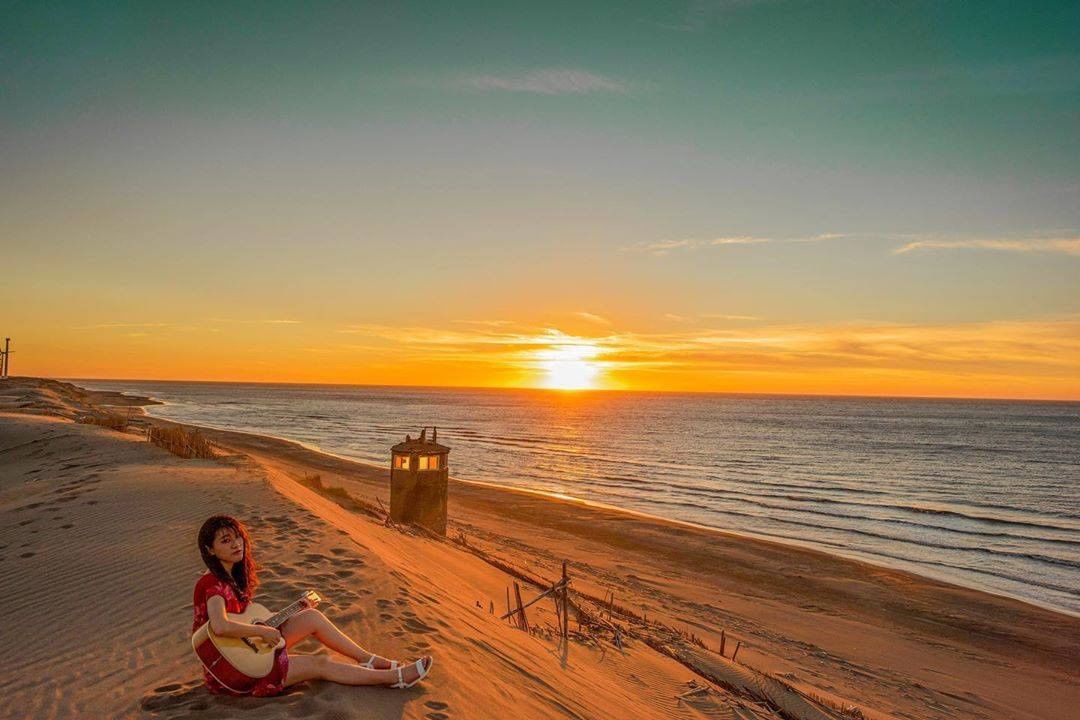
(876, 198)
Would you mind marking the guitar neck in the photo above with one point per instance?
(278, 618)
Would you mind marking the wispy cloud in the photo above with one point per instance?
(551, 81)
(1065, 245)
(663, 247)
(486, 323)
(707, 316)
(720, 316)
(798, 355)
(593, 318)
(116, 325)
(270, 321)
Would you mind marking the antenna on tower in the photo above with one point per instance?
(5, 363)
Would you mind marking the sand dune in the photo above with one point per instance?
(97, 551)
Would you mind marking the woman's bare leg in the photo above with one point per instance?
(312, 622)
(322, 667)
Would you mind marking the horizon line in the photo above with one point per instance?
(580, 391)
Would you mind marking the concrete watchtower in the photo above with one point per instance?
(419, 475)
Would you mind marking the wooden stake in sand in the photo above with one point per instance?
(565, 600)
(723, 642)
(739, 645)
(523, 622)
(541, 596)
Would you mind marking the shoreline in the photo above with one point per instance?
(821, 632)
(898, 564)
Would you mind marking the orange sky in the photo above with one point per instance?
(740, 199)
(1022, 359)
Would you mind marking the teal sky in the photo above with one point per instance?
(341, 163)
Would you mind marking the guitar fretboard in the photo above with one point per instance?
(279, 617)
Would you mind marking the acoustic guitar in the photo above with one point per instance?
(239, 663)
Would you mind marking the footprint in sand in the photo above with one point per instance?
(386, 616)
(27, 522)
(344, 573)
(67, 526)
(416, 625)
(352, 595)
(176, 699)
(27, 554)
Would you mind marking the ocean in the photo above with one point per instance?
(981, 493)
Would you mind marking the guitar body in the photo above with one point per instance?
(232, 661)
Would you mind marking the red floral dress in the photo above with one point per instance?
(208, 586)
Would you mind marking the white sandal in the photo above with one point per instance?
(370, 664)
(423, 671)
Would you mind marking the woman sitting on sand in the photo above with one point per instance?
(228, 588)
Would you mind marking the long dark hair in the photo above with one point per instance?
(244, 578)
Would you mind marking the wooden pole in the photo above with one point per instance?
(565, 600)
(739, 645)
(507, 604)
(723, 642)
(541, 596)
(523, 622)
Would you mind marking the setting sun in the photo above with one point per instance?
(569, 367)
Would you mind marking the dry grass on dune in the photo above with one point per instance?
(111, 420)
(181, 442)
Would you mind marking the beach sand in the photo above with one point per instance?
(98, 556)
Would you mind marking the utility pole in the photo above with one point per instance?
(7, 353)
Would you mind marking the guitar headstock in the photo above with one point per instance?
(311, 598)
